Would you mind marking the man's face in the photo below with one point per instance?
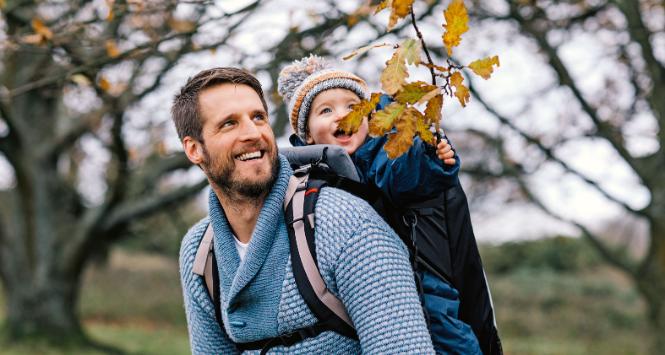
(239, 150)
(328, 108)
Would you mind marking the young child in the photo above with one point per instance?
(318, 96)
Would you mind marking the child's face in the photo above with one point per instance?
(328, 108)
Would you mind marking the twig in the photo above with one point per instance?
(422, 41)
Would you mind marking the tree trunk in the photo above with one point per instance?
(651, 284)
(46, 309)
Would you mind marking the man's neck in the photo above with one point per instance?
(241, 212)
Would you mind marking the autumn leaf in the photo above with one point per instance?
(181, 26)
(457, 20)
(437, 67)
(2, 4)
(413, 92)
(111, 15)
(429, 96)
(461, 91)
(433, 110)
(80, 79)
(112, 48)
(382, 5)
(364, 49)
(359, 111)
(382, 121)
(399, 142)
(410, 51)
(395, 74)
(483, 67)
(41, 29)
(400, 9)
(104, 84)
(424, 132)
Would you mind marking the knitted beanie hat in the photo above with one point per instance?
(302, 80)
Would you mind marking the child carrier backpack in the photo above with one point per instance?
(319, 166)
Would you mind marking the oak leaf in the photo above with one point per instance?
(394, 75)
(457, 20)
(400, 9)
(112, 49)
(484, 67)
(410, 51)
(413, 92)
(429, 96)
(41, 29)
(423, 131)
(382, 5)
(359, 111)
(433, 110)
(400, 141)
(363, 50)
(461, 91)
(382, 121)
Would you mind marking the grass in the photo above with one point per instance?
(134, 303)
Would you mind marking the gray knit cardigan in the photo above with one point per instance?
(362, 262)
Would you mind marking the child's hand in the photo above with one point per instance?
(445, 152)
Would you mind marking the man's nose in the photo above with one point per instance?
(249, 130)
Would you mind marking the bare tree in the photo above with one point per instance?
(57, 90)
(633, 90)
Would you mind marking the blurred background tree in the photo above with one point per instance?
(570, 125)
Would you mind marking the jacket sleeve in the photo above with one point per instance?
(375, 282)
(418, 174)
(205, 335)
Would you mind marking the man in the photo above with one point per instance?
(221, 118)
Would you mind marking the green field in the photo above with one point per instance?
(544, 305)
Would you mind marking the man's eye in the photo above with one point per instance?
(260, 117)
(227, 124)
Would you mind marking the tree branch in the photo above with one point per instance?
(614, 258)
(550, 154)
(642, 36)
(603, 129)
(60, 143)
(145, 206)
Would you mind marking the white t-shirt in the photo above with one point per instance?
(241, 247)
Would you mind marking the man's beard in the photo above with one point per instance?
(221, 174)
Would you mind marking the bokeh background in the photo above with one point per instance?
(562, 159)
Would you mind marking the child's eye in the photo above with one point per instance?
(325, 110)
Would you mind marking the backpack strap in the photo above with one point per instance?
(299, 216)
(205, 264)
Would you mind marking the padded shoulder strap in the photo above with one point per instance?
(203, 259)
(323, 304)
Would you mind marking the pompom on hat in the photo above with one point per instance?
(302, 80)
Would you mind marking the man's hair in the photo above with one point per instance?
(185, 111)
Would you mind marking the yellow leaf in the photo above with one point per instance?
(112, 48)
(359, 111)
(483, 67)
(80, 79)
(41, 29)
(383, 5)
(352, 20)
(457, 20)
(394, 75)
(111, 15)
(34, 38)
(413, 92)
(2, 4)
(461, 91)
(437, 67)
(182, 26)
(424, 132)
(382, 121)
(429, 96)
(362, 50)
(104, 84)
(399, 142)
(433, 110)
(410, 51)
(400, 9)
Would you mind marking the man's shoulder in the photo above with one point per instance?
(346, 211)
(190, 243)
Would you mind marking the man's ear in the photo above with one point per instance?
(193, 149)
